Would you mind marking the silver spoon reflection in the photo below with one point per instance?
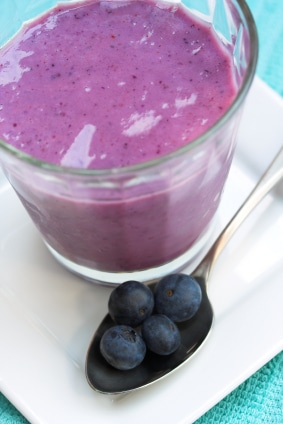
(106, 379)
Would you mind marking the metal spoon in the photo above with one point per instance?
(106, 379)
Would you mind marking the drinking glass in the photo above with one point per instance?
(147, 220)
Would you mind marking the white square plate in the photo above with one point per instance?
(48, 316)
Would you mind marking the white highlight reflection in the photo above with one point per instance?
(78, 153)
(140, 123)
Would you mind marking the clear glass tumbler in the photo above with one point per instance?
(143, 221)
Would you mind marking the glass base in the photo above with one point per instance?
(187, 259)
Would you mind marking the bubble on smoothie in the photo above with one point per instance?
(181, 103)
(114, 5)
(146, 37)
(51, 22)
(187, 101)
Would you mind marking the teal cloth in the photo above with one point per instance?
(259, 400)
(268, 16)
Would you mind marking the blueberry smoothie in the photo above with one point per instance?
(102, 85)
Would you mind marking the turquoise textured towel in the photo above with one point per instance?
(9, 414)
(268, 15)
(259, 400)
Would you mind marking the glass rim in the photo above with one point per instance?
(238, 100)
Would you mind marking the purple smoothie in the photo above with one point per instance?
(101, 85)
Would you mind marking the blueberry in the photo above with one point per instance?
(131, 303)
(161, 334)
(178, 296)
(122, 347)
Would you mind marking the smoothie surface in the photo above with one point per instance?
(111, 84)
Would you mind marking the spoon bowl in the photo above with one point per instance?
(103, 378)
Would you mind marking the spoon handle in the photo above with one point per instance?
(269, 179)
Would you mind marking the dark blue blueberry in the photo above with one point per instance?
(161, 334)
(122, 347)
(178, 296)
(131, 303)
